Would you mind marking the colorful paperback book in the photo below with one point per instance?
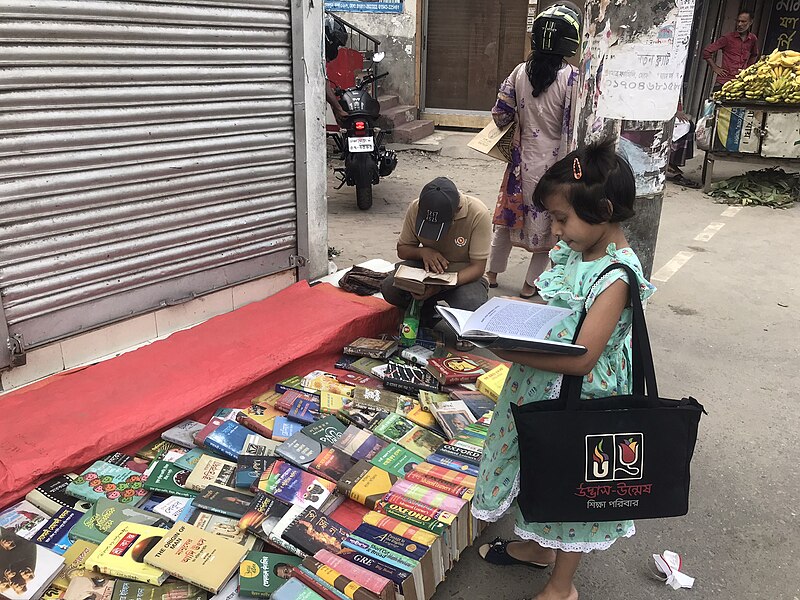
(392, 541)
(74, 563)
(51, 495)
(362, 417)
(249, 469)
(263, 508)
(258, 445)
(196, 556)
(190, 459)
(331, 464)
(299, 450)
(295, 382)
(53, 535)
(492, 382)
(155, 449)
(453, 416)
(183, 433)
(371, 347)
(466, 453)
(454, 489)
(294, 486)
(412, 410)
(444, 516)
(359, 443)
(228, 439)
(261, 573)
(373, 399)
(312, 531)
(257, 418)
(134, 590)
(445, 474)
(104, 480)
(172, 507)
(211, 470)
(453, 464)
(323, 588)
(350, 588)
(349, 513)
(276, 535)
(294, 589)
(223, 526)
(366, 484)
(426, 495)
(421, 441)
(401, 528)
(326, 430)
(454, 369)
(322, 380)
(121, 553)
(396, 460)
(105, 515)
(134, 463)
(330, 403)
(427, 399)
(393, 427)
(478, 404)
(412, 516)
(24, 519)
(289, 397)
(391, 572)
(200, 436)
(26, 569)
(409, 379)
(353, 379)
(168, 478)
(365, 365)
(268, 398)
(284, 429)
(377, 584)
(304, 411)
(223, 501)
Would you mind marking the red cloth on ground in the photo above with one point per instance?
(69, 420)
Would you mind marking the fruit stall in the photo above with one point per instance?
(757, 115)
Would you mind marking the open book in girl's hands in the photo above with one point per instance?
(504, 324)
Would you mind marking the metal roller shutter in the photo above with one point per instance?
(146, 156)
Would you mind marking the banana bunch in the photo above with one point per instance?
(774, 78)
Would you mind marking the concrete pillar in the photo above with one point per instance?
(631, 73)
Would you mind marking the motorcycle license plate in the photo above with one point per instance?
(360, 144)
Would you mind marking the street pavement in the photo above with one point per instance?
(724, 329)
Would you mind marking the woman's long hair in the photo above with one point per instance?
(542, 70)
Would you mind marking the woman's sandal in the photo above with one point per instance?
(529, 296)
(496, 553)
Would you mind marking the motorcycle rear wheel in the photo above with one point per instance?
(364, 197)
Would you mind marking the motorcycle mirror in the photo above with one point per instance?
(378, 57)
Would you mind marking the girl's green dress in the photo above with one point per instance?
(570, 283)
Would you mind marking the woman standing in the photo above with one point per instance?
(537, 96)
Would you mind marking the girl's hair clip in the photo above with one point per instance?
(577, 172)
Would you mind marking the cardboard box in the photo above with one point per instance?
(494, 142)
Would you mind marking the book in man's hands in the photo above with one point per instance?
(511, 325)
(414, 279)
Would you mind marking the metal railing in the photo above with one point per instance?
(360, 41)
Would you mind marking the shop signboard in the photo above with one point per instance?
(364, 6)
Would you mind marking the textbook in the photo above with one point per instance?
(375, 583)
(120, 554)
(510, 325)
(196, 556)
(415, 280)
(100, 520)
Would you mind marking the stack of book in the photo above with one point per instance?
(354, 483)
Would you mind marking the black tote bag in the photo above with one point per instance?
(607, 459)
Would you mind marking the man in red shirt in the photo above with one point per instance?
(739, 50)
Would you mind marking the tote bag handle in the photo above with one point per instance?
(644, 373)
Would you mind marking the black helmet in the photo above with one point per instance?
(335, 37)
(557, 30)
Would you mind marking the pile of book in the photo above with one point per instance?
(353, 484)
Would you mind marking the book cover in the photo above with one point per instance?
(200, 436)
(409, 377)
(53, 535)
(261, 573)
(429, 496)
(258, 419)
(190, 459)
(492, 382)
(454, 369)
(312, 531)
(289, 397)
(364, 366)
(26, 569)
(366, 483)
(276, 535)
(196, 556)
(211, 470)
(444, 516)
(373, 399)
(382, 553)
(322, 380)
(427, 399)
(294, 589)
(353, 379)
(468, 455)
(454, 489)
(476, 402)
(359, 443)
(299, 450)
(330, 403)
(134, 590)
(417, 355)
(392, 541)
(350, 588)
(122, 553)
(295, 382)
(375, 583)
(294, 486)
(223, 526)
(396, 460)
(412, 409)
(228, 439)
(155, 449)
(324, 589)
(183, 433)
(258, 445)
(74, 564)
(168, 478)
(249, 468)
(361, 417)
(344, 362)
(51, 495)
(222, 501)
(304, 411)
(401, 528)
(104, 480)
(421, 441)
(172, 507)
(265, 399)
(285, 428)
(99, 521)
(453, 416)
(326, 430)
(393, 427)
(390, 572)
(453, 464)
(445, 474)
(331, 464)
(93, 588)
(23, 518)
(349, 513)
(262, 515)
(371, 347)
(134, 463)
(412, 516)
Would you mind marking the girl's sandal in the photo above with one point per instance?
(496, 553)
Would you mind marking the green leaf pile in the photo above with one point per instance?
(768, 187)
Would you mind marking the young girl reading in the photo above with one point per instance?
(587, 193)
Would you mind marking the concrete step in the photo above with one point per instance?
(413, 131)
(388, 101)
(392, 117)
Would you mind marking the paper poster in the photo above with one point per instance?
(364, 6)
(641, 80)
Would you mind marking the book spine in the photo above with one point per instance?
(440, 515)
(281, 543)
(368, 352)
(459, 453)
(329, 575)
(170, 490)
(391, 541)
(446, 474)
(387, 523)
(459, 491)
(151, 579)
(377, 584)
(401, 387)
(253, 425)
(375, 565)
(428, 496)
(450, 463)
(411, 516)
(323, 588)
(390, 557)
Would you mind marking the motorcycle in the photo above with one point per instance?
(360, 142)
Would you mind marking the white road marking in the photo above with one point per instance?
(673, 266)
(731, 211)
(709, 232)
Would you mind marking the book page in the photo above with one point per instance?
(516, 319)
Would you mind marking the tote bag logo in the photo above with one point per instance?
(614, 456)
